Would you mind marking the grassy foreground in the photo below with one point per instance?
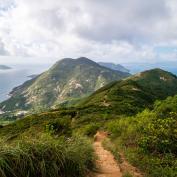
(47, 157)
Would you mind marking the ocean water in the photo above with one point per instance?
(16, 76)
(139, 67)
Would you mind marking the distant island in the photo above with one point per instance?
(4, 67)
(33, 76)
(113, 66)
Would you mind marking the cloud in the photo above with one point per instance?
(2, 49)
(116, 30)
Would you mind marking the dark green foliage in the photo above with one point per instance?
(91, 129)
(59, 127)
(166, 107)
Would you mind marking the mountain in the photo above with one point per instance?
(68, 79)
(134, 93)
(113, 66)
(56, 136)
(4, 67)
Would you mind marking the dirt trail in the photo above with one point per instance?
(106, 163)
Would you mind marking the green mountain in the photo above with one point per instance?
(134, 93)
(67, 80)
(113, 66)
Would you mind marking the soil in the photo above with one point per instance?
(106, 164)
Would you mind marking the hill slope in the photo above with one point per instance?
(148, 138)
(68, 79)
(134, 93)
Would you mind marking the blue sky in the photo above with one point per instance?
(114, 30)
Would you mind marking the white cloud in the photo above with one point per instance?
(116, 30)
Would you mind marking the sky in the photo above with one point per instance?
(116, 31)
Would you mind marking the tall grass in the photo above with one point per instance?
(47, 157)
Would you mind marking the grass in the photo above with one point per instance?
(47, 157)
(126, 174)
(148, 140)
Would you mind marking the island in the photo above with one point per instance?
(4, 67)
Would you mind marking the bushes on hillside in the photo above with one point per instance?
(150, 138)
(91, 129)
(160, 135)
(59, 127)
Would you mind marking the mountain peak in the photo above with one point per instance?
(75, 60)
(86, 61)
(83, 59)
(155, 74)
(66, 80)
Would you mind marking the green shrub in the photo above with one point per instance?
(59, 127)
(160, 135)
(91, 129)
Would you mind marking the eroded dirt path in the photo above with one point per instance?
(106, 164)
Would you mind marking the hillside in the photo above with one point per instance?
(126, 97)
(68, 80)
(148, 139)
(131, 95)
(113, 66)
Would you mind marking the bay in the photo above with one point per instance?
(16, 76)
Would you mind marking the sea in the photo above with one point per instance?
(17, 75)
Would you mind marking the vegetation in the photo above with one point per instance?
(47, 157)
(113, 149)
(150, 138)
(51, 143)
(132, 95)
(127, 174)
(68, 80)
(44, 145)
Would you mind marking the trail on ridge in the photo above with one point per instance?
(105, 163)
